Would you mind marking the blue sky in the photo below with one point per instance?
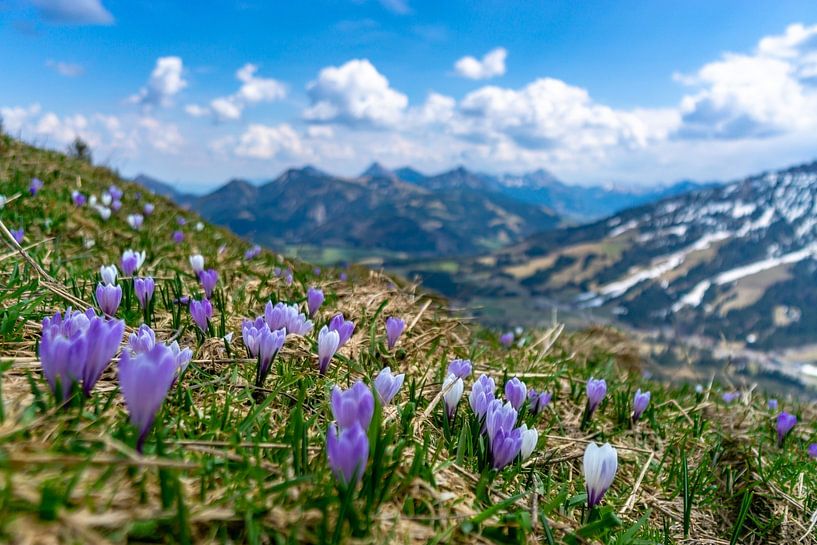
(597, 92)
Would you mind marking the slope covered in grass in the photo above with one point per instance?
(229, 462)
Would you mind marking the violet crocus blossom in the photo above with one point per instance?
(115, 193)
(269, 344)
(505, 447)
(78, 199)
(252, 253)
(640, 403)
(197, 263)
(530, 437)
(596, 390)
(452, 393)
(148, 208)
(506, 339)
(131, 261)
(178, 237)
(144, 287)
(108, 273)
(104, 338)
(459, 368)
(600, 465)
(250, 333)
(785, 423)
(208, 280)
(135, 221)
(347, 453)
(482, 394)
(353, 407)
(108, 297)
(772, 404)
(812, 450)
(35, 186)
(328, 343)
(387, 385)
(729, 397)
(394, 328)
(345, 328)
(538, 400)
(180, 220)
(142, 340)
(201, 311)
(145, 378)
(288, 317)
(516, 392)
(18, 235)
(314, 300)
(116, 205)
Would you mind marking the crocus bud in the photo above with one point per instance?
(394, 328)
(142, 340)
(596, 390)
(108, 274)
(772, 404)
(201, 311)
(252, 253)
(314, 300)
(17, 235)
(145, 380)
(344, 328)
(143, 287)
(530, 437)
(482, 393)
(136, 221)
(812, 450)
(178, 237)
(640, 402)
(148, 208)
(387, 385)
(353, 407)
(108, 298)
(104, 337)
(499, 416)
(269, 344)
(328, 343)
(116, 205)
(251, 334)
(347, 453)
(452, 388)
(77, 198)
(516, 392)
(208, 280)
(459, 368)
(197, 263)
(538, 400)
(506, 339)
(35, 186)
(115, 192)
(600, 465)
(131, 261)
(729, 397)
(785, 423)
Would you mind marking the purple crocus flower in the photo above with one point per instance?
(288, 317)
(516, 392)
(250, 333)
(600, 465)
(145, 378)
(347, 453)
(78, 199)
(538, 400)
(108, 297)
(812, 450)
(596, 390)
(387, 385)
(116, 206)
(252, 253)
(314, 300)
(343, 277)
(131, 261)
(269, 344)
(499, 415)
(178, 237)
(452, 393)
(772, 404)
(35, 186)
(345, 328)
(135, 221)
(729, 397)
(505, 447)
(460, 368)
(785, 423)
(18, 235)
(143, 287)
(180, 220)
(148, 208)
(182, 355)
(394, 328)
(142, 340)
(506, 339)
(640, 402)
(104, 337)
(208, 280)
(481, 396)
(201, 311)
(328, 343)
(353, 407)
(115, 193)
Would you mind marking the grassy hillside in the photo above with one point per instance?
(229, 462)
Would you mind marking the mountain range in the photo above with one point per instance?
(402, 213)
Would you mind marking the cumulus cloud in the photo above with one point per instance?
(164, 137)
(74, 12)
(354, 93)
(66, 69)
(165, 82)
(765, 93)
(253, 90)
(267, 142)
(491, 64)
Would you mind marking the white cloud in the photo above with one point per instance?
(165, 82)
(354, 94)
(74, 12)
(267, 142)
(15, 118)
(400, 7)
(163, 137)
(253, 90)
(67, 69)
(491, 65)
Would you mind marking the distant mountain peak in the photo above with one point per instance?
(377, 170)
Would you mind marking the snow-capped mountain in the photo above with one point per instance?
(739, 260)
